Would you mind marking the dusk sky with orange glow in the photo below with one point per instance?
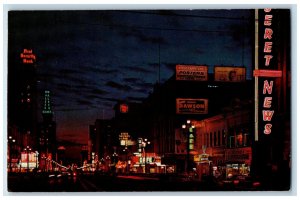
(90, 60)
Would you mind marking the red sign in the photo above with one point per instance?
(267, 73)
(124, 108)
(191, 73)
(27, 56)
(191, 106)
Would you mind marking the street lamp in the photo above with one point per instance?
(144, 144)
(11, 141)
(27, 150)
(188, 130)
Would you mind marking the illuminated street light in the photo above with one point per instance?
(145, 142)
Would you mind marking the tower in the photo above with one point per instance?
(47, 131)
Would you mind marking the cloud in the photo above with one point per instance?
(170, 66)
(118, 86)
(84, 102)
(140, 36)
(131, 80)
(68, 71)
(139, 69)
(137, 99)
(97, 91)
(101, 70)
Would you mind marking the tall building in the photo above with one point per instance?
(22, 101)
(101, 138)
(272, 146)
(47, 130)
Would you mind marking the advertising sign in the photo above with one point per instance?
(27, 56)
(230, 74)
(124, 108)
(191, 106)
(191, 72)
(268, 70)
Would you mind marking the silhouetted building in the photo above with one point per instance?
(22, 99)
(101, 138)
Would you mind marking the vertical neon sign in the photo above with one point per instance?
(265, 70)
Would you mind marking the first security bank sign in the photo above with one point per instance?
(267, 70)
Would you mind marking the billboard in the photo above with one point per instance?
(191, 72)
(191, 106)
(230, 74)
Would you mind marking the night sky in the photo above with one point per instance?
(91, 59)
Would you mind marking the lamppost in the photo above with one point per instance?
(27, 150)
(10, 142)
(145, 142)
(188, 130)
(36, 159)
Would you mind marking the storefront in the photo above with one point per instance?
(238, 161)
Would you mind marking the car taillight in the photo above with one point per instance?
(256, 184)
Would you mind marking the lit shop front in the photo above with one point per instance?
(29, 161)
(151, 163)
(238, 161)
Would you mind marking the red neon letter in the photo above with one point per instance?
(268, 20)
(268, 47)
(268, 33)
(267, 9)
(268, 87)
(268, 130)
(268, 59)
(267, 115)
(267, 102)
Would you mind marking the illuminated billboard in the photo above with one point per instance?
(191, 106)
(230, 74)
(191, 72)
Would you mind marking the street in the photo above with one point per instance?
(109, 183)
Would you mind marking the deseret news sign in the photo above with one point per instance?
(191, 106)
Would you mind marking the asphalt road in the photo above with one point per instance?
(106, 183)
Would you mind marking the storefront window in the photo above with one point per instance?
(237, 170)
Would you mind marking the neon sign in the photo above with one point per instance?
(27, 56)
(267, 71)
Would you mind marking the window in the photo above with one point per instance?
(215, 138)
(219, 138)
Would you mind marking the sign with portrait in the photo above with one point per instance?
(230, 74)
